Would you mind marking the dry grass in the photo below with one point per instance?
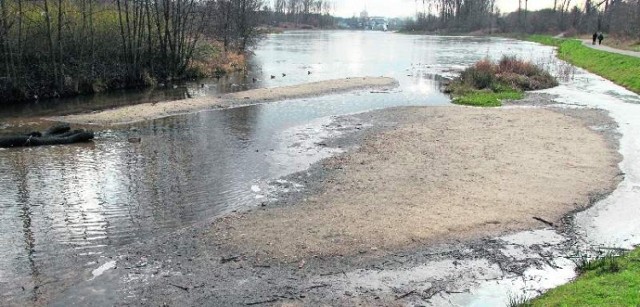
(623, 43)
(209, 60)
(509, 72)
(487, 83)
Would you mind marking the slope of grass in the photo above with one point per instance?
(611, 281)
(605, 282)
(621, 69)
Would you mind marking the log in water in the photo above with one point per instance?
(56, 135)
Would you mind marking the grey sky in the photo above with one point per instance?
(394, 8)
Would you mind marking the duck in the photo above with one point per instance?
(273, 77)
(284, 75)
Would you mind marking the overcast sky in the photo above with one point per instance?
(398, 8)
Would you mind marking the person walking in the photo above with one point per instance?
(595, 37)
(600, 38)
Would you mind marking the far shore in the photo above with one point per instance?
(150, 111)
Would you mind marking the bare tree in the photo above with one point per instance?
(83, 46)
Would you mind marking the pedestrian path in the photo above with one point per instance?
(612, 50)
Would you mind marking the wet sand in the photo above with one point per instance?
(149, 111)
(408, 215)
(442, 173)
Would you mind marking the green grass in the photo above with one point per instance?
(487, 98)
(621, 69)
(610, 281)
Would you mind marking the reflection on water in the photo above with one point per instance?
(62, 207)
(231, 83)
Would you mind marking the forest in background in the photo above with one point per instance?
(56, 48)
(53, 48)
(614, 17)
(308, 13)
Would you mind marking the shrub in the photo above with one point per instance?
(478, 84)
(209, 60)
(480, 75)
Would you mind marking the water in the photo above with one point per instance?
(61, 207)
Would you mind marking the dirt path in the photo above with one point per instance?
(610, 49)
(149, 111)
(443, 173)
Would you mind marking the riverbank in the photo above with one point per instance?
(390, 221)
(149, 111)
(474, 173)
(608, 281)
(619, 68)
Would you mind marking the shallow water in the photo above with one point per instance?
(610, 224)
(61, 207)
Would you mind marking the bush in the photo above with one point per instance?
(485, 83)
(479, 76)
(209, 60)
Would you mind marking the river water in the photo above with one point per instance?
(61, 207)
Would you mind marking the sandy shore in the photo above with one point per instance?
(408, 216)
(443, 173)
(149, 111)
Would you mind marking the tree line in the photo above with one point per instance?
(453, 15)
(51, 48)
(616, 17)
(315, 13)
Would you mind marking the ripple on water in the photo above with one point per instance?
(62, 206)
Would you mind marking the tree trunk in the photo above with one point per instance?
(52, 51)
(60, 81)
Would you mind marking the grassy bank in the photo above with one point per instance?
(621, 69)
(609, 281)
(486, 84)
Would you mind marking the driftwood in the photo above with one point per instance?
(57, 129)
(56, 135)
(543, 221)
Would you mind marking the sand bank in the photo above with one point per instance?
(149, 111)
(443, 173)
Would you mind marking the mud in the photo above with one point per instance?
(149, 111)
(192, 267)
(442, 173)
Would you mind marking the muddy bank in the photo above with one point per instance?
(148, 111)
(340, 255)
(443, 173)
